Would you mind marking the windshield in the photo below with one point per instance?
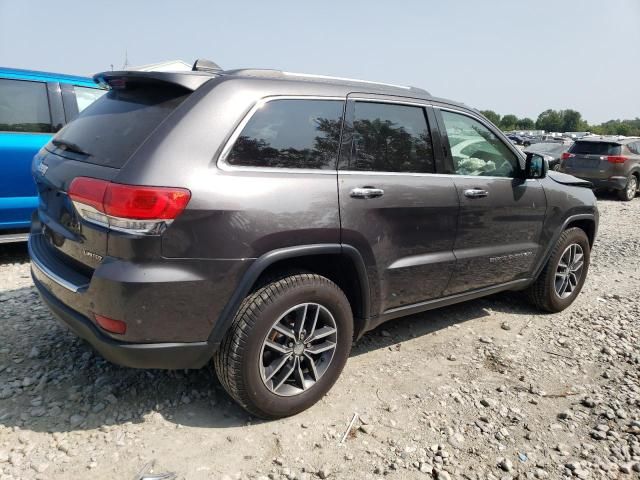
(110, 130)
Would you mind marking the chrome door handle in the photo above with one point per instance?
(366, 192)
(476, 193)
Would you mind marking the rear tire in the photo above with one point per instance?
(259, 344)
(557, 286)
(630, 190)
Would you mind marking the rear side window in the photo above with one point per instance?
(290, 133)
(634, 148)
(595, 148)
(391, 138)
(85, 96)
(109, 130)
(24, 107)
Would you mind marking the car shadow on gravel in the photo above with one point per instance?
(14, 253)
(51, 381)
(420, 324)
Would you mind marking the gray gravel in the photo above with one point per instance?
(490, 389)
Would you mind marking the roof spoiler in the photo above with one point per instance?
(120, 79)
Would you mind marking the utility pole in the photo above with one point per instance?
(126, 60)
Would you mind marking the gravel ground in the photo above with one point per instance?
(489, 389)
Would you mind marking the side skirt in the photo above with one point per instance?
(398, 312)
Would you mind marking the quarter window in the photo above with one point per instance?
(475, 150)
(24, 107)
(391, 138)
(291, 133)
(85, 96)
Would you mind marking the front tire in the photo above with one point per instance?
(563, 276)
(630, 190)
(287, 345)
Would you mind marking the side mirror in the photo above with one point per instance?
(536, 166)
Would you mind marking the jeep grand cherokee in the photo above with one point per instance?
(265, 220)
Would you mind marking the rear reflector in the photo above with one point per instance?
(616, 159)
(133, 208)
(111, 325)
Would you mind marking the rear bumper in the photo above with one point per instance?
(136, 355)
(170, 306)
(612, 182)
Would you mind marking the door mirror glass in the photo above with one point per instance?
(536, 166)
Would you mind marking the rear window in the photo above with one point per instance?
(595, 148)
(109, 130)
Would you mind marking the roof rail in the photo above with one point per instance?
(355, 80)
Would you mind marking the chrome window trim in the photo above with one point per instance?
(222, 163)
(393, 102)
(415, 174)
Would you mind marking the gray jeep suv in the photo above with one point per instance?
(266, 219)
(610, 163)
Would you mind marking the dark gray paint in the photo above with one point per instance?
(418, 246)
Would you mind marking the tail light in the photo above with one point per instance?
(567, 155)
(129, 208)
(617, 158)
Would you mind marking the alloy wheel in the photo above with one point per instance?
(298, 349)
(569, 270)
(632, 187)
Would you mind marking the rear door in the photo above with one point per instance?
(25, 126)
(501, 215)
(393, 207)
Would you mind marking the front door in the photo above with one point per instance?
(501, 214)
(393, 208)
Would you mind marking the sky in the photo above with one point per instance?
(511, 56)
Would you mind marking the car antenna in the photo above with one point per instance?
(204, 65)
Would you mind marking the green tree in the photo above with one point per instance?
(492, 116)
(571, 121)
(508, 122)
(550, 120)
(525, 124)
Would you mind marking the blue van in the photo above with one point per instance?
(33, 107)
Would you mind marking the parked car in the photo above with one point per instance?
(267, 220)
(550, 151)
(517, 139)
(33, 106)
(610, 163)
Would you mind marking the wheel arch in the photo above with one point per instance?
(588, 222)
(342, 264)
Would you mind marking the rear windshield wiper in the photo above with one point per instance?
(69, 146)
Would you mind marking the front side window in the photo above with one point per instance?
(475, 150)
(391, 138)
(85, 96)
(24, 107)
(290, 133)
